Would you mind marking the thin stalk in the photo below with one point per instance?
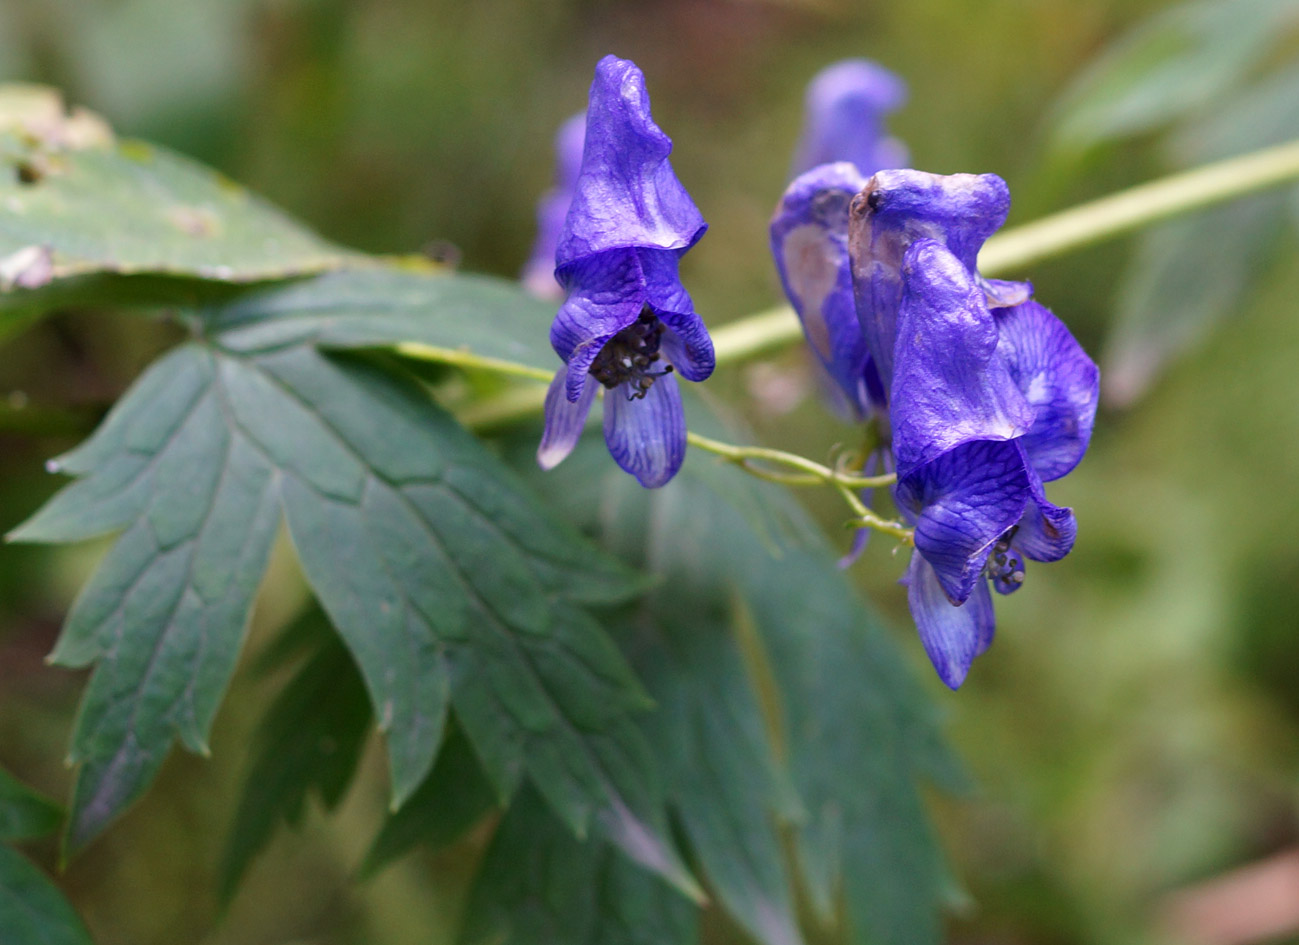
(812, 473)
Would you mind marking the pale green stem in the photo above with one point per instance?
(810, 474)
(813, 473)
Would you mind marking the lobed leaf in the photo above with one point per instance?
(164, 614)
(851, 729)
(452, 588)
(455, 796)
(539, 885)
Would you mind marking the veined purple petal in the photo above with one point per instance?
(605, 294)
(952, 635)
(1057, 378)
(565, 420)
(897, 208)
(686, 343)
(1046, 532)
(809, 241)
(647, 437)
(552, 209)
(691, 355)
(844, 118)
(627, 194)
(961, 503)
(949, 385)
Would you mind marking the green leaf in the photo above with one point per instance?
(32, 910)
(455, 796)
(493, 318)
(856, 736)
(725, 786)
(451, 586)
(538, 885)
(24, 814)
(165, 613)
(309, 742)
(1168, 66)
(861, 742)
(124, 207)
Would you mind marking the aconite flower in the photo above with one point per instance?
(627, 327)
(989, 396)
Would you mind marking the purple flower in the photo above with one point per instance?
(844, 118)
(989, 397)
(552, 209)
(626, 323)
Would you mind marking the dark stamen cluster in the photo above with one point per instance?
(1005, 566)
(628, 356)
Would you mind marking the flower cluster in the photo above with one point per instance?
(989, 396)
(981, 393)
(626, 325)
(986, 393)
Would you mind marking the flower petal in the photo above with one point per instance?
(1058, 378)
(686, 343)
(565, 420)
(809, 241)
(845, 108)
(1046, 532)
(953, 636)
(961, 503)
(949, 386)
(647, 437)
(606, 293)
(894, 210)
(552, 209)
(627, 194)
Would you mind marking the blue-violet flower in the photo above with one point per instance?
(626, 323)
(989, 396)
(552, 209)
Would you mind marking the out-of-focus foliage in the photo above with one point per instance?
(31, 908)
(1217, 73)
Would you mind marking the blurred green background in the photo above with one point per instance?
(1134, 730)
